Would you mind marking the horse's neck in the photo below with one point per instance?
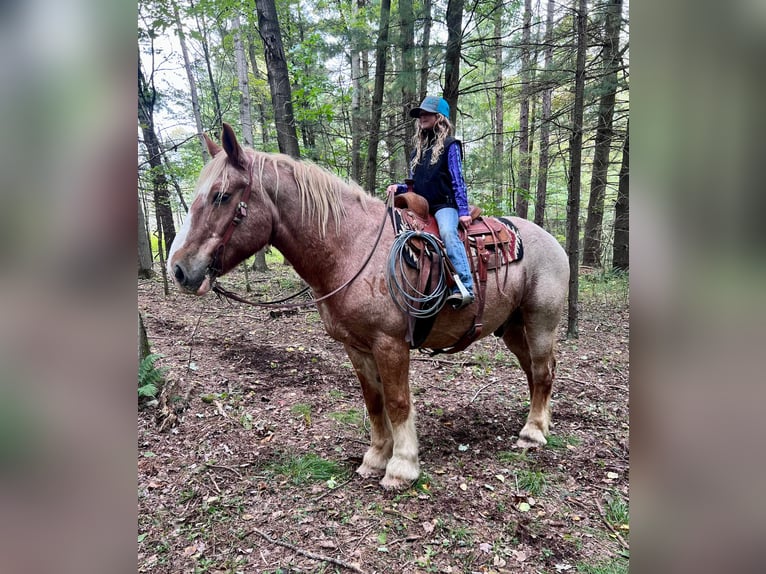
(322, 260)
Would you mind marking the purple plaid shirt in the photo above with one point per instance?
(455, 165)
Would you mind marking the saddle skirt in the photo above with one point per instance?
(492, 242)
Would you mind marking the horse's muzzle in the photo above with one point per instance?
(191, 281)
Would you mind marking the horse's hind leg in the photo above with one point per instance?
(382, 443)
(532, 340)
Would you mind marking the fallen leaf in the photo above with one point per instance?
(561, 567)
(428, 527)
(519, 555)
(500, 477)
(523, 507)
(612, 475)
(463, 486)
(485, 547)
(498, 561)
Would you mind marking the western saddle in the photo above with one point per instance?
(490, 243)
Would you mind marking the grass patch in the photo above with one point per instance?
(512, 457)
(303, 410)
(559, 442)
(306, 469)
(616, 566)
(531, 481)
(351, 417)
(616, 510)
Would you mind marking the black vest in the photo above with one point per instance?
(434, 182)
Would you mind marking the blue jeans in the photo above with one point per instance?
(447, 218)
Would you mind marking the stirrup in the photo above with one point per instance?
(462, 297)
(458, 301)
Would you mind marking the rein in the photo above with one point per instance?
(239, 215)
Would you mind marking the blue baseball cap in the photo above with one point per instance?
(431, 104)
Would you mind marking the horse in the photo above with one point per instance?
(327, 228)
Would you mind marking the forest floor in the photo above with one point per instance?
(257, 473)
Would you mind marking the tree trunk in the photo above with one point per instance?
(192, 84)
(498, 158)
(377, 95)
(575, 168)
(202, 27)
(279, 80)
(425, 64)
(542, 168)
(357, 121)
(525, 160)
(144, 245)
(452, 56)
(245, 114)
(591, 255)
(621, 253)
(146, 99)
(143, 340)
(260, 104)
(243, 82)
(407, 75)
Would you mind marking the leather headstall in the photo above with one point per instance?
(240, 213)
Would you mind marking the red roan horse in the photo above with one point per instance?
(326, 228)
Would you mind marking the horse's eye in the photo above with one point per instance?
(220, 198)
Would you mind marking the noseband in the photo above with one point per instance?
(240, 213)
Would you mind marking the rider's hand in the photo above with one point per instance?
(465, 220)
(391, 189)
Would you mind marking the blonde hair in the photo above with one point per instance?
(442, 130)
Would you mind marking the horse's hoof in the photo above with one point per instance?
(395, 484)
(531, 438)
(366, 471)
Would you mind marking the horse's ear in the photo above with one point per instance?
(212, 147)
(231, 146)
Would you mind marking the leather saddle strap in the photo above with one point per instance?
(481, 297)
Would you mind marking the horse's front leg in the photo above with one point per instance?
(382, 443)
(392, 357)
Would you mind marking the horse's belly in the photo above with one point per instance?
(451, 325)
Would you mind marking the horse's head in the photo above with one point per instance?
(227, 221)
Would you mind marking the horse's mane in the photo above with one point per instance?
(323, 195)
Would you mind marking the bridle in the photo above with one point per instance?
(214, 270)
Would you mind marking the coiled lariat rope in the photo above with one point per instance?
(405, 294)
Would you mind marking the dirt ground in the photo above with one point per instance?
(257, 472)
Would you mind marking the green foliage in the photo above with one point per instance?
(608, 287)
(150, 377)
